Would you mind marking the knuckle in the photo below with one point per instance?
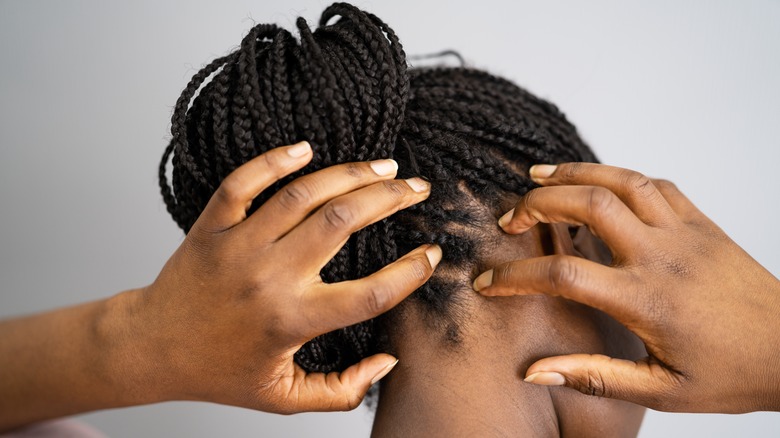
(396, 189)
(562, 273)
(419, 269)
(231, 191)
(352, 400)
(503, 275)
(530, 198)
(338, 216)
(594, 384)
(296, 195)
(569, 171)
(377, 299)
(636, 183)
(600, 201)
(353, 169)
(665, 186)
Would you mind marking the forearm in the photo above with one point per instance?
(67, 361)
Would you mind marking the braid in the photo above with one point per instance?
(346, 89)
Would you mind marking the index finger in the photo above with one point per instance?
(229, 204)
(294, 202)
(337, 305)
(633, 188)
(605, 288)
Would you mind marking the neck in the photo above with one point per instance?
(475, 387)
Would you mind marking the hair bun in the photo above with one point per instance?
(342, 87)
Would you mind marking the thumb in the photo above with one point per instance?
(340, 391)
(646, 382)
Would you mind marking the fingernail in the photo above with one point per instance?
(384, 167)
(541, 171)
(546, 378)
(299, 149)
(384, 372)
(484, 280)
(506, 218)
(418, 185)
(434, 255)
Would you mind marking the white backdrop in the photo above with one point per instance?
(688, 91)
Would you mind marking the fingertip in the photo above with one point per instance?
(483, 281)
(299, 150)
(384, 370)
(541, 172)
(419, 185)
(506, 218)
(434, 255)
(368, 371)
(509, 226)
(546, 378)
(385, 167)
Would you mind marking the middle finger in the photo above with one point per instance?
(598, 208)
(324, 232)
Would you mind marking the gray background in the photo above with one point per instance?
(688, 91)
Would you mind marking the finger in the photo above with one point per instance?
(229, 204)
(333, 306)
(590, 283)
(295, 201)
(325, 231)
(636, 190)
(335, 391)
(597, 207)
(645, 382)
(682, 206)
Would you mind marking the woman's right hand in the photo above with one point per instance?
(708, 313)
(237, 299)
(241, 295)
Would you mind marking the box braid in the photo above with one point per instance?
(346, 89)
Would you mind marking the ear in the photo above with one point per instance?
(579, 241)
(561, 239)
(591, 247)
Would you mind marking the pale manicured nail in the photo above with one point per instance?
(434, 255)
(506, 218)
(484, 280)
(541, 171)
(384, 372)
(384, 167)
(546, 378)
(418, 185)
(299, 149)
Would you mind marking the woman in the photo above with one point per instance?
(346, 89)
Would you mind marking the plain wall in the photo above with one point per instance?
(688, 91)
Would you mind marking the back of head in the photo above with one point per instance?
(347, 90)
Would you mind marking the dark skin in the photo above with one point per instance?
(705, 310)
(229, 309)
(475, 387)
(677, 281)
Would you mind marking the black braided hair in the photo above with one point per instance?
(346, 89)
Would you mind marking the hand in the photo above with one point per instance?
(242, 294)
(705, 310)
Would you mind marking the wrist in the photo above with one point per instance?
(130, 363)
(766, 395)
